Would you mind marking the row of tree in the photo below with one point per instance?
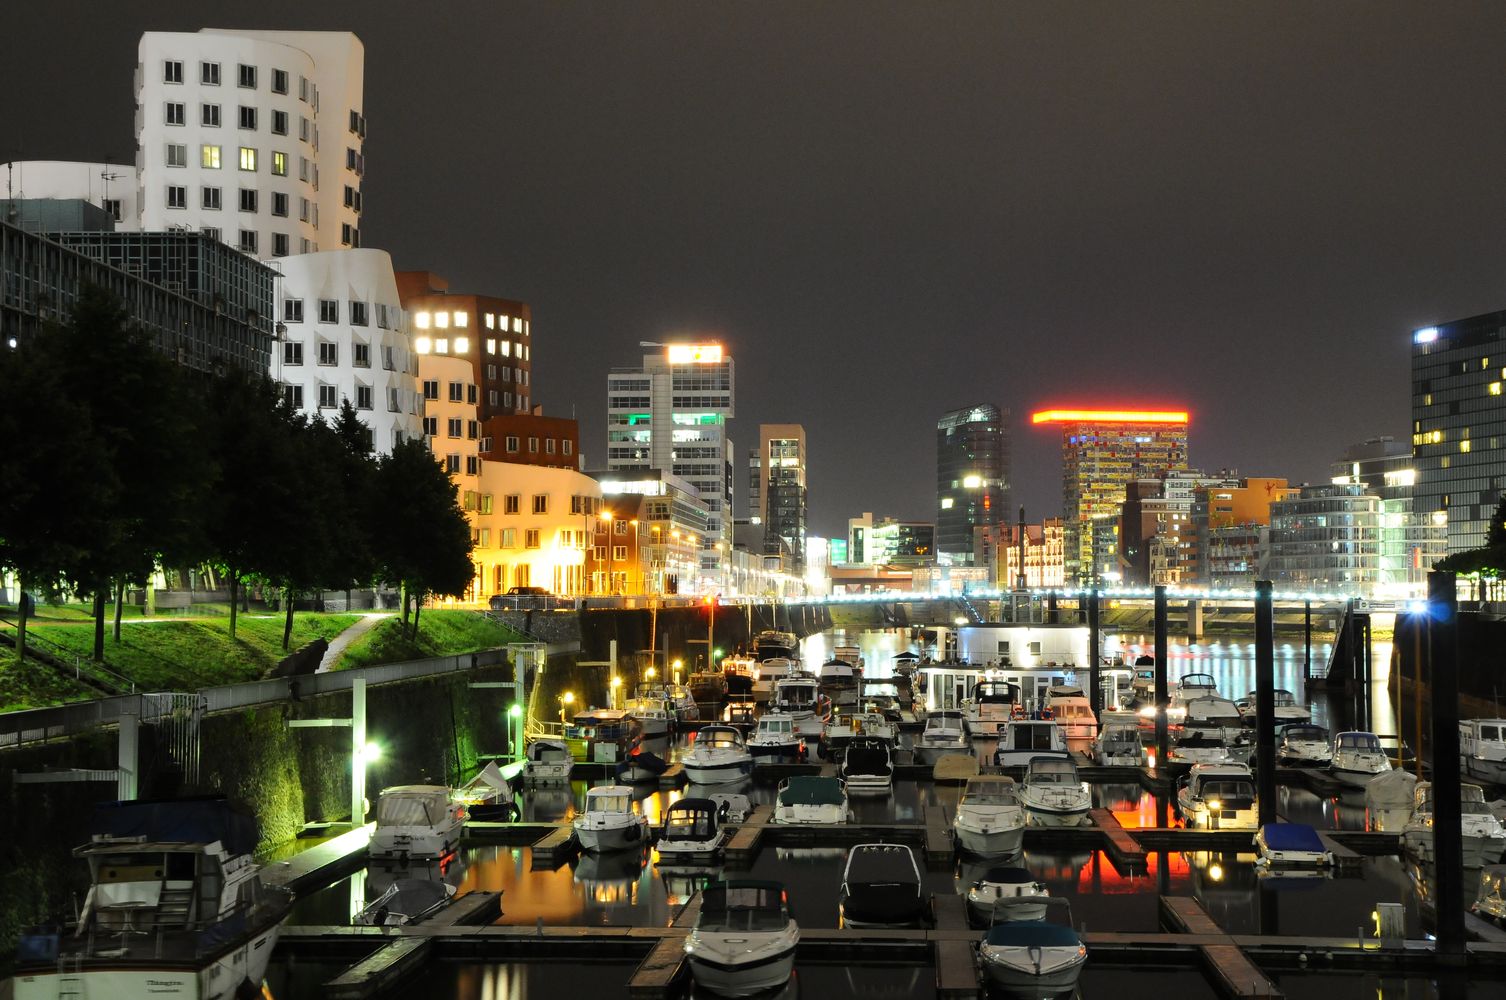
(114, 461)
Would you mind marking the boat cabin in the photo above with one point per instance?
(609, 799)
(743, 905)
(691, 820)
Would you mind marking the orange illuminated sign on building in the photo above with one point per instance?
(1109, 416)
(695, 354)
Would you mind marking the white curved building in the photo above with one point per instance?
(343, 336)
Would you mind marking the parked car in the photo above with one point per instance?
(523, 599)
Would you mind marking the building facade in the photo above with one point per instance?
(782, 498)
(1157, 542)
(1411, 541)
(673, 519)
(1044, 554)
(1328, 539)
(1102, 451)
(1230, 525)
(532, 527)
(972, 477)
(1459, 425)
(671, 414)
(494, 334)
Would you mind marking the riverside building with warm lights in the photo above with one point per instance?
(778, 499)
(1459, 425)
(1102, 451)
(972, 477)
(671, 414)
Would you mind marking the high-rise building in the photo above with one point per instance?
(670, 414)
(1231, 528)
(1459, 424)
(1410, 541)
(1102, 451)
(972, 477)
(780, 497)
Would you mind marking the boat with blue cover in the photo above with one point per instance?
(1290, 845)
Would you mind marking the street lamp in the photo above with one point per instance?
(616, 683)
(567, 699)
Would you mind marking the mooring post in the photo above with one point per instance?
(1307, 641)
(1162, 749)
(1095, 695)
(126, 754)
(1448, 849)
(1265, 700)
(357, 751)
(1051, 608)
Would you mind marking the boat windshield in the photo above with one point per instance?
(719, 738)
(409, 809)
(1359, 741)
(1228, 790)
(1051, 772)
(776, 727)
(1306, 733)
(689, 824)
(612, 802)
(1469, 808)
(996, 692)
(1033, 735)
(1121, 739)
(741, 908)
(1285, 699)
(1197, 682)
(990, 793)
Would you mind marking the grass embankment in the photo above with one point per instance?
(197, 651)
(30, 684)
(440, 633)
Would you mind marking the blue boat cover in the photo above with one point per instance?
(178, 821)
(1032, 934)
(1008, 876)
(1291, 837)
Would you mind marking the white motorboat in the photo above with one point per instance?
(799, 696)
(548, 763)
(1290, 845)
(488, 797)
(1482, 749)
(717, 756)
(692, 833)
(991, 706)
(417, 821)
(1305, 745)
(1023, 740)
(843, 729)
(1071, 709)
(767, 672)
(1288, 709)
(610, 823)
(682, 703)
(867, 767)
(882, 887)
(1006, 893)
(1189, 688)
(1481, 834)
(1388, 801)
(1212, 712)
(1490, 896)
(1218, 797)
(990, 819)
(1198, 746)
(1053, 795)
(739, 672)
(654, 713)
(744, 939)
(944, 732)
(775, 739)
(406, 901)
(839, 682)
(175, 907)
(1118, 745)
(771, 643)
(809, 800)
(731, 807)
(1357, 758)
(1033, 959)
(605, 733)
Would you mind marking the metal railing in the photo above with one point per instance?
(83, 666)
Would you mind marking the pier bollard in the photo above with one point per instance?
(1448, 849)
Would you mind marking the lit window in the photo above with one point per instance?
(491, 321)
(1495, 388)
(491, 346)
(280, 164)
(517, 324)
(462, 345)
(422, 345)
(1464, 445)
(442, 320)
(209, 157)
(421, 320)
(461, 319)
(248, 158)
(507, 348)
(442, 345)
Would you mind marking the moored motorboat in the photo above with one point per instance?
(692, 832)
(488, 797)
(842, 729)
(1482, 749)
(1490, 894)
(708, 687)
(775, 739)
(1290, 845)
(601, 734)
(1053, 795)
(944, 733)
(1118, 745)
(811, 800)
(767, 672)
(799, 696)
(839, 682)
(609, 822)
(1358, 758)
(718, 755)
(867, 767)
(739, 672)
(1193, 747)
(991, 706)
(1071, 709)
(882, 887)
(416, 821)
(1482, 837)
(1218, 797)
(1033, 959)
(1288, 710)
(548, 763)
(653, 712)
(406, 901)
(640, 765)
(1304, 745)
(1023, 740)
(1388, 801)
(1006, 892)
(990, 818)
(744, 939)
(175, 907)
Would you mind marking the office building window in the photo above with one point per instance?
(209, 73)
(360, 355)
(329, 397)
(453, 427)
(212, 232)
(248, 199)
(512, 503)
(292, 310)
(112, 205)
(279, 204)
(329, 353)
(363, 397)
(357, 313)
(619, 552)
(512, 445)
(533, 446)
(472, 429)
(175, 114)
(177, 154)
(294, 395)
(247, 76)
(431, 388)
(541, 503)
(172, 71)
(279, 164)
(248, 117)
(345, 237)
(452, 464)
(211, 198)
(567, 446)
(509, 538)
(472, 465)
(329, 310)
(279, 244)
(177, 196)
(549, 446)
(303, 210)
(431, 426)
(457, 392)
(209, 115)
(279, 81)
(248, 241)
(248, 158)
(531, 538)
(209, 157)
(292, 352)
(279, 123)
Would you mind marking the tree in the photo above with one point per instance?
(1489, 560)
(421, 539)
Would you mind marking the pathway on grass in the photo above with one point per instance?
(353, 632)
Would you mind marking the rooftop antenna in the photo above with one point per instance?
(108, 175)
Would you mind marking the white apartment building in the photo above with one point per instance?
(343, 336)
(671, 414)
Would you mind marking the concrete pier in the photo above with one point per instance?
(660, 971)
(381, 970)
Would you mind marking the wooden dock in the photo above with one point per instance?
(673, 776)
(1185, 915)
(956, 969)
(380, 970)
(938, 837)
(1124, 851)
(660, 971)
(470, 910)
(1223, 961)
(1345, 860)
(318, 866)
(950, 911)
(745, 844)
(554, 848)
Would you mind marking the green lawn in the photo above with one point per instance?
(196, 651)
(33, 685)
(440, 633)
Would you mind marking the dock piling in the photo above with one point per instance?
(1448, 848)
(1265, 701)
(1162, 651)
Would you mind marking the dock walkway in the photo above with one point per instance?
(1223, 960)
(318, 866)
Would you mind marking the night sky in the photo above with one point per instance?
(888, 211)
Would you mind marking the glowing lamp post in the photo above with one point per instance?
(515, 720)
(566, 700)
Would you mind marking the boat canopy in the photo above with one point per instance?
(488, 783)
(609, 798)
(777, 724)
(412, 805)
(1051, 771)
(1359, 741)
(990, 791)
(1291, 837)
(812, 790)
(744, 905)
(690, 819)
(1031, 934)
(1194, 682)
(407, 897)
(177, 821)
(867, 756)
(996, 692)
(548, 751)
(1305, 731)
(882, 884)
(719, 736)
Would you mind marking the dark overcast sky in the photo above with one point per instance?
(887, 211)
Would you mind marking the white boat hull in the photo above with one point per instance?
(1013, 970)
(547, 774)
(930, 753)
(743, 979)
(1353, 777)
(716, 773)
(415, 842)
(600, 839)
(1479, 849)
(811, 815)
(1117, 759)
(1492, 771)
(868, 784)
(989, 841)
(217, 980)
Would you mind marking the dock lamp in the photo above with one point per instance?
(566, 700)
(515, 730)
(616, 684)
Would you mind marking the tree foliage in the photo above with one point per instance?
(1487, 560)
